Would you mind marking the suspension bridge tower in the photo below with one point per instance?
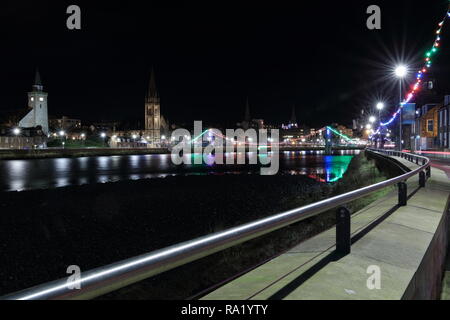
(328, 141)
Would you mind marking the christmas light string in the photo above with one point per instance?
(427, 65)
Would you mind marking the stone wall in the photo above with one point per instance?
(9, 142)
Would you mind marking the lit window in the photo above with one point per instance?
(41, 99)
(32, 98)
(430, 125)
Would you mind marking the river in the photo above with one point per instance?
(19, 175)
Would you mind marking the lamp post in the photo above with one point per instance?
(83, 136)
(380, 106)
(400, 72)
(103, 135)
(62, 134)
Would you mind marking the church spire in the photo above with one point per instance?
(293, 117)
(37, 81)
(152, 93)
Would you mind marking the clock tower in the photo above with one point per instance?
(37, 102)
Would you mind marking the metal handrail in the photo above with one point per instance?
(108, 278)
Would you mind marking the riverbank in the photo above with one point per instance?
(24, 154)
(6, 154)
(94, 225)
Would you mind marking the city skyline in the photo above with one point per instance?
(207, 69)
(221, 154)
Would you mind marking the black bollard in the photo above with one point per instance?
(422, 179)
(402, 194)
(343, 240)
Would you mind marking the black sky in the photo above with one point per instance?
(209, 56)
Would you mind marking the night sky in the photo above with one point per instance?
(209, 56)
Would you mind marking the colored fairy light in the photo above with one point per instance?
(415, 87)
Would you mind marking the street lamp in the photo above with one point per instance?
(400, 72)
(62, 134)
(83, 136)
(372, 119)
(380, 106)
(103, 135)
(16, 131)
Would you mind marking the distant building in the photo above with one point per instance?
(344, 130)
(37, 102)
(65, 123)
(444, 124)
(292, 123)
(425, 129)
(248, 122)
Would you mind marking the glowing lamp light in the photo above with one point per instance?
(380, 105)
(103, 134)
(16, 131)
(401, 71)
(61, 133)
(372, 119)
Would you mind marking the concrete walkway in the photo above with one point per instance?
(395, 244)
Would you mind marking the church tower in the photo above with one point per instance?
(153, 113)
(37, 102)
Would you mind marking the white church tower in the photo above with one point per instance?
(37, 102)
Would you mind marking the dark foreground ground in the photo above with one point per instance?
(45, 231)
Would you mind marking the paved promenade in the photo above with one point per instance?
(396, 242)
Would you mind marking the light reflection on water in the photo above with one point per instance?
(50, 173)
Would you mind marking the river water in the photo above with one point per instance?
(18, 175)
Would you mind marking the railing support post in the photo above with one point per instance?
(402, 194)
(417, 160)
(343, 240)
(422, 179)
(428, 172)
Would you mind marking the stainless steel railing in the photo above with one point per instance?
(108, 278)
